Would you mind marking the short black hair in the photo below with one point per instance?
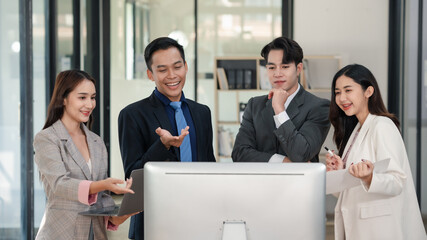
(161, 43)
(292, 52)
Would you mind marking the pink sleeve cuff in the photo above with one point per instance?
(109, 225)
(83, 192)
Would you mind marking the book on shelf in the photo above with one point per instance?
(231, 77)
(222, 79)
(248, 83)
(239, 79)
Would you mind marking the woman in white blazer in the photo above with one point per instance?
(384, 205)
(72, 163)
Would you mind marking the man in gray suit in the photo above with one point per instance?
(289, 124)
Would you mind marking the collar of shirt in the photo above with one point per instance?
(288, 101)
(169, 110)
(166, 100)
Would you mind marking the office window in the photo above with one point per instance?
(129, 83)
(10, 156)
(65, 36)
(39, 94)
(414, 99)
(235, 28)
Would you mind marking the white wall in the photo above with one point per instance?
(357, 30)
(410, 97)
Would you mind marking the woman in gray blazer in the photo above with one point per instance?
(384, 205)
(72, 163)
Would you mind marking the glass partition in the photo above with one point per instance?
(137, 33)
(10, 143)
(414, 119)
(39, 94)
(64, 33)
(134, 24)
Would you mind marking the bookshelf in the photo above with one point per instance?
(235, 88)
(238, 79)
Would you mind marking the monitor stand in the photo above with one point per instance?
(234, 230)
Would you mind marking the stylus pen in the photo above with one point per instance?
(329, 151)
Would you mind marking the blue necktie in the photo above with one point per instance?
(185, 148)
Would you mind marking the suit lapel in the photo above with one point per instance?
(292, 110)
(94, 152)
(296, 103)
(359, 140)
(71, 148)
(267, 115)
(160, 113)
(364, 130)
(197, 122)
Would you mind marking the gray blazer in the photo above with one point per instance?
(299, 138)
(62, 167)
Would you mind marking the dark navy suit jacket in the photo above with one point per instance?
(139, 142)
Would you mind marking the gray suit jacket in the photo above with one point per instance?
(299, 138)
(62, 167)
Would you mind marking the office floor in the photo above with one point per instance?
(122, 232)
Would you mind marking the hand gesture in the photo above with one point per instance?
(117, 220)
(168, 140)
(362, 170)
(279, 97)
(111, 185)
(333, 162)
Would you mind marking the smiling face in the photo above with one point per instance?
(281, 75)
(168, 72)
(351, 98)
(80, 102)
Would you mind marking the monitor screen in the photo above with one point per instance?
(254, 200)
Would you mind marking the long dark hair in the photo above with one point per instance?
(65, 83)
(343, 124)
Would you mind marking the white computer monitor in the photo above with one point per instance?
(254, 201)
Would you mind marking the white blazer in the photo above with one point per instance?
(389, 208)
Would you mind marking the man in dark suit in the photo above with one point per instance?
(289, 124)
(147, 128)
